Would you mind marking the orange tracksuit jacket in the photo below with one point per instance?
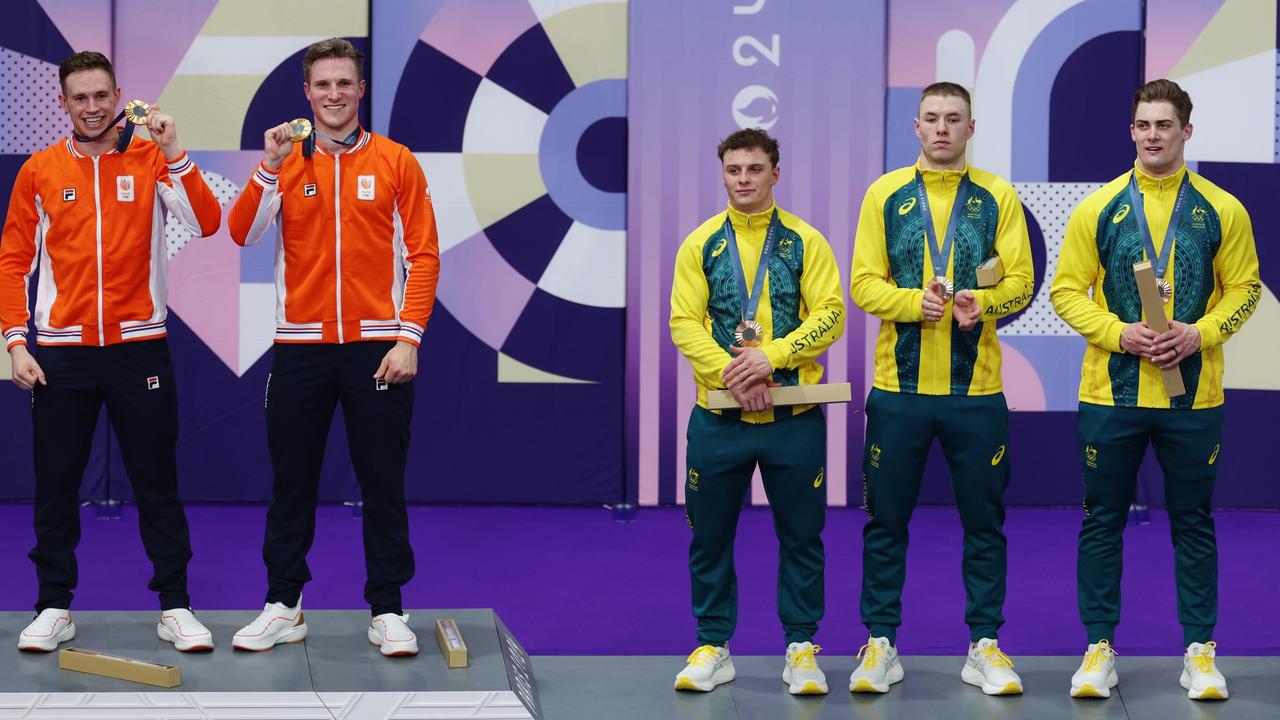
(357, 255)
(94, 229)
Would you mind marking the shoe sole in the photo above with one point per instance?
(295, 634)
(719, 677)
(69, 633)
(973, 677)
(1088, 690)
(1210, 693)
(167, 635)
(395, 652)
(864, 685)
(809, 688)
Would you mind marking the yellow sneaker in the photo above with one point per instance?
(1200, 675)
(708, 667)
(802, 673)
(1097, 673)
(879, 667)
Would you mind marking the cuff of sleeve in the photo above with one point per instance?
(777, 354)
(266, 177)
(180, 165)
(979, 297)
(917, 306)
(411, 333)
(1209, 335)
(14, 337)
(1112, 337)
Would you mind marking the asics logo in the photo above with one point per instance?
(995, 460)
(724, 242)
(905, 207)
(817, 482)
(1124, 212)
(1213, 458)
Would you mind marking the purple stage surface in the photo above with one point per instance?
(571, 581)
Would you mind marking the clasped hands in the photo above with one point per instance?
(1165, 349)
(747, 377)
(965, 309)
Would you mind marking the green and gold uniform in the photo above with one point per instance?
(802, 313)
(936, 380)
(1123, 403)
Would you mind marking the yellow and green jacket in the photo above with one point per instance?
(1214, 273)
(892, 265)
(801, 309)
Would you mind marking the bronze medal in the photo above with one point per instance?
(749, 333)
(945, 287)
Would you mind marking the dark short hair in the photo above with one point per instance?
(1163, 90)
(332, 48)
(947, 89)
(748, 139)
(86, 60)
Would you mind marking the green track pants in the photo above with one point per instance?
(722, 456)
(974, 432)
(1113, 441)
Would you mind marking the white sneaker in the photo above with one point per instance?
(879, 668)
(51, 626)
(274, 625)
(180, 627)
(802, 672)
(392, 635)
(708, 667)
(990, 669)
(1097, 673)
(1200, 676)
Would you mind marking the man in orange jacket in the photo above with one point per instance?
(357, 260)
(89, 214)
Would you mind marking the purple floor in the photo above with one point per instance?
(572, 581)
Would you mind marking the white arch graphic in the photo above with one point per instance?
(998, 74)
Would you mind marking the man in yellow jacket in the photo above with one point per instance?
(1200, 243)
(923, 232)
(754, 301)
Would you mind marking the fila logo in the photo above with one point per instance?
(124, 188)
(906, 207)
(68, 194)
(364, 187)
(1124, 212)
(309, 190)
(380, 385)
(153, 382)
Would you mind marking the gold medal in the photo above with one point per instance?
(1166, 290)
(945, 287)
(749, 333)
(299, 130)
(136, 112)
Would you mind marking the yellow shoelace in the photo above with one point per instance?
(873, 653)
(703, 655)
(803, 660)
(996, 657)
(1203, 660)
(1099, 655)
